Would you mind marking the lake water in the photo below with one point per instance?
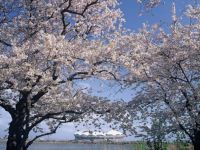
(72, 146)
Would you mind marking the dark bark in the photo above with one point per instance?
(18, 133)
(196, 141)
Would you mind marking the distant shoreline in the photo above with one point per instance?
(89, 142)
(79, 142)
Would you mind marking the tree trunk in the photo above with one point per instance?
(17, 136)
(18, 133)
(196, 142)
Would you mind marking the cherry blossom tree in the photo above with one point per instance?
(46, 46)
(165, 68)
(149, 4)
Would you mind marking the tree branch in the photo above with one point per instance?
(41, 93)
(5, 43)
(67, 9)
(51, 115)
(48, 133)
(7, 107)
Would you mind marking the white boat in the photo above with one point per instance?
(98, 135)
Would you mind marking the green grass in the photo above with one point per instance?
(139, 146)
(166, 146)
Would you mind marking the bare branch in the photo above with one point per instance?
(7, 107)
(5, 43)
(45, 134)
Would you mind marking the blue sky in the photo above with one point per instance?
(135, 17)
(134, 21)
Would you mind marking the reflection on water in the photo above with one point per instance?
(48, 146)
